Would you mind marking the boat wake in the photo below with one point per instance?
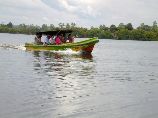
(22, 47)
(72, 53)
(9, 46)
(66, 52)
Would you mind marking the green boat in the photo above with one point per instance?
(85, 46)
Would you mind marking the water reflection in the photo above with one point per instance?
(59, 55)
(53, 61)
(63, 80)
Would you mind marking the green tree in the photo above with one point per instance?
(52, 27)
(129, 26)
(113, 28)
(121, 26)
(137, 34)
(103, 27)
(44, 27)
(104, 35)
(73, 25)
(10, 25)
(154, 27)
(93, 32)
(61, 25)
(123, 34)
(144, 27)
(68, 26)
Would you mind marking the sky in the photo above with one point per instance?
(84, 13)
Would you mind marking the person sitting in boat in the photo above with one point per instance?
(62, 38)
(52, 40)
(57, 40)
(38, 39)
(46, 41)
(70, 38)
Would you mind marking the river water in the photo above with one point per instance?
(119, 80)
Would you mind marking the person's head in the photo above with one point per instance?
(48, 36)
(38, 35)
(61, 35)
(69, 35)
(58, 35)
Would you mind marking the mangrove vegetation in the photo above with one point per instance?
(121, 32)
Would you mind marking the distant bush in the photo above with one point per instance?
(122, 32)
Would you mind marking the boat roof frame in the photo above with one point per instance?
(54, 32)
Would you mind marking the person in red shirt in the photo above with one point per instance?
(57, 40)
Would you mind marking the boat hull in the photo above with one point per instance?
(85, 46)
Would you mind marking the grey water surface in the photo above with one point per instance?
(119, 80)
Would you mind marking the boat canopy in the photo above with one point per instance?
(55, 32)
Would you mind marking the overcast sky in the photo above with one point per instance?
(83, 12)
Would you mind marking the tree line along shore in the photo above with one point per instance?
(121, 32)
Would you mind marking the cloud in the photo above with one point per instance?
(45, 18)
(82, 12)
